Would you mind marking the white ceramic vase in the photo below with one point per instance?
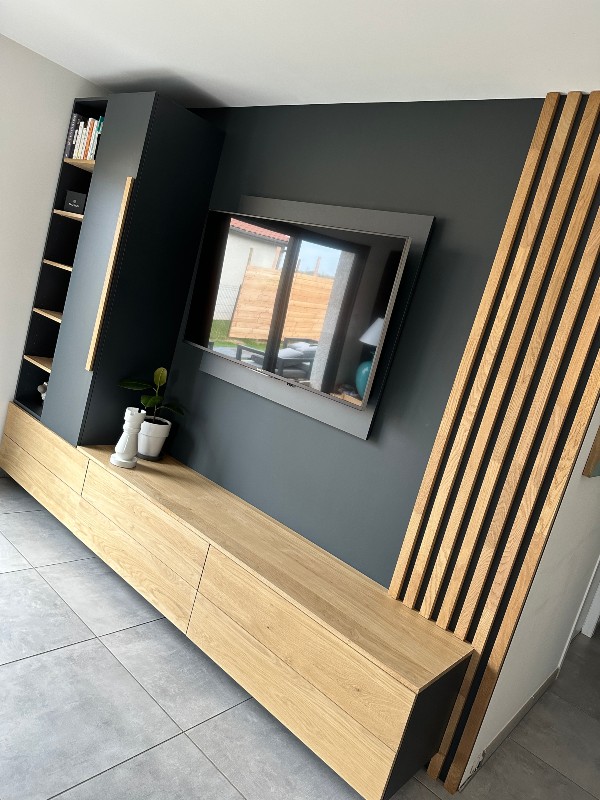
(152, 437)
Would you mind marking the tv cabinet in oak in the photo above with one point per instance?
(365, 682)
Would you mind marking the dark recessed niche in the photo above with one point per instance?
(290, 298)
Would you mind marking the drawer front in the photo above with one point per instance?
(362, 689)
(60, 458)
(42, 484)
(352, 751)
(155, 581)
(167, 539)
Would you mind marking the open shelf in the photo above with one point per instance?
(43, 362)
(46, 312)
(68, 214)
(32, 407)
(81, 163)
(56, 264)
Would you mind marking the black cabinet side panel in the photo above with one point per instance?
(155, 264)
(119, 152)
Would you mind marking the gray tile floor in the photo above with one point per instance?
(102, 699)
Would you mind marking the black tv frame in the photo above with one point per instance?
(326, 409)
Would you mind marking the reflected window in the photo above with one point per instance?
(296, 301)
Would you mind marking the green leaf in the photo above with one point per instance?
(151, 400)
(160, 376)
(137, 385)
(174, 407)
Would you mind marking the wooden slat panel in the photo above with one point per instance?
(503, 254)
(155, 581)
(43, 485)
(358, 686)
(476, 446)
(523, 382)
(527, 572)
(504, 372)
(169, 540)
(354, 753)
(525, 510)
(527, 439)
(489, 354)
(58, 456)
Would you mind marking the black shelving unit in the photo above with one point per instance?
(55, 272)
(114, 280)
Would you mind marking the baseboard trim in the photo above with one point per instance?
(510, 726)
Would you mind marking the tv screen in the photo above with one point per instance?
(301, 303)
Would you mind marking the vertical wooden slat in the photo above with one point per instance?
(501, 382)
(517, 209)
(538, 406)
(519, 527)
(477, 445)
(523, 382)
(490, 352)
(527, 572)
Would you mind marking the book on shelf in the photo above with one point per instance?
(71, 135)
(82, 137)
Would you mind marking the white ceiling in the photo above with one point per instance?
(271, 52)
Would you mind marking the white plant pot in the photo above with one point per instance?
(152, 437)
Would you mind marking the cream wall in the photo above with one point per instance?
(551, 613)
(35, 103)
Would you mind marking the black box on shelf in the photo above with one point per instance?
(75, 202)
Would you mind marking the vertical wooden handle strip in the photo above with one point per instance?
(112, 260)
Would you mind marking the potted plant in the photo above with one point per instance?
(155, 429)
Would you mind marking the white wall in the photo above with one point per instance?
(552, 609)
(35, 104)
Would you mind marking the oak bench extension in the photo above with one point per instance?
(365, 682)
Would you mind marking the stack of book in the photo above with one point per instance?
(83, 136)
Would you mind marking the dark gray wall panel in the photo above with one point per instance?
(458, 161)
(155, 264)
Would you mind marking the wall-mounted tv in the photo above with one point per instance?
(303, 303)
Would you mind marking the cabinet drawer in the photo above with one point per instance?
(42, 484)
(155, 581)
(58, 456)
(351, 750)
(361, 688)
(167, 539)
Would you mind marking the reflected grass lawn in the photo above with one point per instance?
(219, 335)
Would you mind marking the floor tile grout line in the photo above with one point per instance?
(19, 552)
(94, 634)
(425, 786)
(218, 714)
(128, 628)
(114, 766)
(44, 652)
(220, 771)
(12, 572)
(140, 684)
(81, 641)
(21, 511)
(69, 561)
(43, 577)
(573, 705)
(554, 769)
(99, 638)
